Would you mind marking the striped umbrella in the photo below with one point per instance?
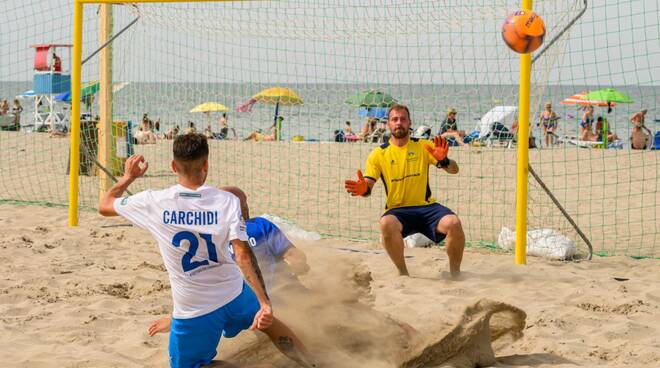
(580, 99)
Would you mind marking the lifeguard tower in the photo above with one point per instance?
(50, 79)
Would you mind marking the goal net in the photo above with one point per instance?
(429, 55)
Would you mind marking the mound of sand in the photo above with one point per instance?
(469, 343)
(334, 317)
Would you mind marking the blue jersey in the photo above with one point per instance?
(268, 243)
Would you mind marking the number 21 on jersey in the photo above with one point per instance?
(186, 262)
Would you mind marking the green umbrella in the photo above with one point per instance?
(608, 95)
(371, 98)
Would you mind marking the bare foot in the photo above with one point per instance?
(460, 276)
(160, 326)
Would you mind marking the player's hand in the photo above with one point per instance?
(135, 167)
(357, 188)
(440, 149)
(160, 326)
(263, 319)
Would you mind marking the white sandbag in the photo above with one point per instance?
(417, 240)
(291, 230)
(546, 243)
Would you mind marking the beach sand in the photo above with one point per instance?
(612, 195)
(84, 296)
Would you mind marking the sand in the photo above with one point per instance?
(612, 195)
(83, 297)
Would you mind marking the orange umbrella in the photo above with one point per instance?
(579, 99)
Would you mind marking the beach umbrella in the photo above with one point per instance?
(371, 98)
(209, 107)
(609, 95)
(89, 88)
(582, 100)
(278, 96)
(372, 112)
(86, 89)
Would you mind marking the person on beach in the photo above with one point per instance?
(4, 107)
(611, 137)
(191, 128)
(403, 165)
(172, 132)
(349, 134)
(258, 136)
(586, 125)
(208, 133)
(449, 128)
(224, 126)
(17, 109)
(145, 135)
(368, 129)
(548, 122)
(270, 246)
(193, 223)
(57, 63)
(640, 136)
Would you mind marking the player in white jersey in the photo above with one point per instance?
(193, 224)
(272, 249)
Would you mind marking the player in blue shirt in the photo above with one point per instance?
(269, 245)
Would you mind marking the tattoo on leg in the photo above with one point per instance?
(255, 264)
(285, 343)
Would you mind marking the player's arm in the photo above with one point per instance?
(362, 187)
(439, 152)
(132, 171)
(451, 168)
(296, 259)
(247, 262)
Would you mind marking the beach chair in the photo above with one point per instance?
(492, 126)
(423, 132)
(378, 136)
(500, 136)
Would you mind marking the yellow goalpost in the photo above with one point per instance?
(106, 115)
(523, 153)
(106, 83)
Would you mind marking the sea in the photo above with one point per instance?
(325, 111)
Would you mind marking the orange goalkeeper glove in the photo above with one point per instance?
(357, 188)
(440, 149)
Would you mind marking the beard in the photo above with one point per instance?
(400, 133)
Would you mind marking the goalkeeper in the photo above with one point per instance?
(403, 165)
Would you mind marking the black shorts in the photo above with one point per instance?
(421, 219)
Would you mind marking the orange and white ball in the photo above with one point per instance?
(523, 31)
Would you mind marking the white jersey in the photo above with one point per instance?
(193, 229)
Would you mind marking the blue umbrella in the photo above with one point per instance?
(373, 112)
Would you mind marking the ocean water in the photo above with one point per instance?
(325, 111)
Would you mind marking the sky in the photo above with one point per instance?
(616, 42)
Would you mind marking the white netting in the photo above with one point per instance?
(429, 55)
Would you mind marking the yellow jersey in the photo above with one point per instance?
(404, 171)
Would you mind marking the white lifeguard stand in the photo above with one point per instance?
(50, 79)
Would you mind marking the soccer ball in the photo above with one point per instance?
(523, 31)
